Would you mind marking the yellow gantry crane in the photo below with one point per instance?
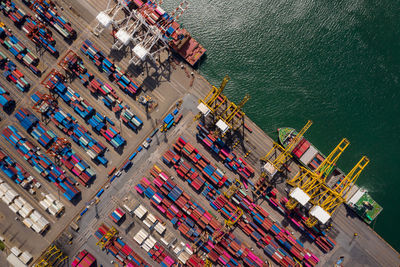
(327, 200)
(213, 100)
(272, 166)
(228, 223)
(306, 183)
(228, 119)
(53, 256)
(233, 188)
(106, 238)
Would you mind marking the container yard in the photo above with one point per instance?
(90, 175)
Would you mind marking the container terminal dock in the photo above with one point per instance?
(114, 151)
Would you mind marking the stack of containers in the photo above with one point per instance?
(301, 148)
(12, 74)
(209, 171)
(110, 97)
(52, 205)
(195, 261)
(47, 12)
(130, 119)
(17, 204)
(96, 86)
(117, 215)
(84, 259)
(70, 126)
(83, 109)
(159, 254)
(6, 102)
(40, 35)
(35, 128)
(220, 149)
(46, 138)
(12, 169)
(42, 164)
(125, 83)
(324, 242)
(123, 254)
(35, 30)
(13, 12)
(19, 50)
(192, 219)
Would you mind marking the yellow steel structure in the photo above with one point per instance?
(53, 256)
(310, 182)
(285, 153)
(329, 199)
(106, 238)
(234, 217)
(229, 114)
(257, 190)
(235, 186)
(328, 164)
(228, 223)
(211, 100)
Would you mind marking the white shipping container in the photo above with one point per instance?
(19, 202)
(12, 194)
(14, 208)
(164, 241)
(140, 211)
(183, 257)
(26, 257)
(35, 216)
(14, 261)
(147, 223)
(28, 222)
(6, 199)
(44, 204)
(91, 153)
(24, 212)
(28, 207)
(146, 247)
(59, 206)
(36, 228)
(16, 251)
(42, 220)
(160, 228)
(51, 198)
(4, 187)
(52, 210)
(1, 194)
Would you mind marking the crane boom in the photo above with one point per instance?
(329, 199)
(327, 165)
(285, 154)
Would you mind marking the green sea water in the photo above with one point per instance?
(334, 62)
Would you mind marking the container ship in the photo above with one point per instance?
(178, 38)
(310, 157)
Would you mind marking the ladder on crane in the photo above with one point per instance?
(227, 120)
(327, 200)
(107, 17)
(272, 166)
(305, 183)
(213, 100)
